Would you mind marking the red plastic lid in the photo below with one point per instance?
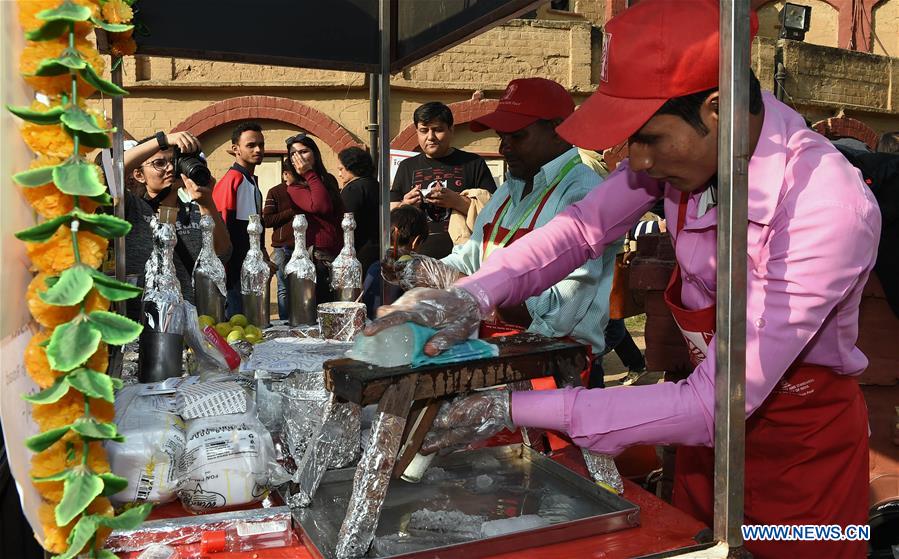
(212, 542)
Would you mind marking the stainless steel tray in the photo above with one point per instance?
(488, 484)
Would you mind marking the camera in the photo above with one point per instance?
(192, 166)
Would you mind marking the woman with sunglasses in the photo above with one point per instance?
(153, 183)
(315, 193)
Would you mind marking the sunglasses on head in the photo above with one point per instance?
(295, 139)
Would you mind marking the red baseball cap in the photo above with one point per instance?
(652, 52)
(524, 102)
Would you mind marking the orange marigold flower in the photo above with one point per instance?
(117, 11)
(47, 200)
(55, 536)
(69, 408)
(55, 254)
(28, 10)
(58, 458)
(123, 46)
(39, 368)
(50, 139)
(53, 86)
(51, 316)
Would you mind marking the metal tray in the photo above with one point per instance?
(519, 481)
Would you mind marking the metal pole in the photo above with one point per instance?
(384, 127)
(118, 165)
(373, 84)
(730, 349)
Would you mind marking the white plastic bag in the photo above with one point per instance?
(154, 444)
(227, 461)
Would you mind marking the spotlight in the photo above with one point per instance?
(795, 21)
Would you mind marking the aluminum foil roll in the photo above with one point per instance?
(306, 403)
(346, 270)
(208, 263)
(255, 273)
(603, 470)
(347, 445)
(331, 442)
(370, 487)
(300, 264)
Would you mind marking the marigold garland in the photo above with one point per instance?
(81, 395)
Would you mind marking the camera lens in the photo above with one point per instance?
(195, 169)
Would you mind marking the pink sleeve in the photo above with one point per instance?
(537, 262)
(792, 290)
(315, 199)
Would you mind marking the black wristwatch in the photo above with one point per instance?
(160, 139)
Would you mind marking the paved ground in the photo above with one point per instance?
(615, 370)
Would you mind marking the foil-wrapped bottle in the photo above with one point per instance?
(254, 276)
(161, 342)
(346, 270)
(209, 276)
(300, 272)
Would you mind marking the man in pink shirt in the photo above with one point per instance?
(812, 241)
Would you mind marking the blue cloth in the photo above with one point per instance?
(466, 351)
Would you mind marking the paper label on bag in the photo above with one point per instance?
(211, 399)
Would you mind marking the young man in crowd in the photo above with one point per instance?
(435, 179)
(237, 196)
(277, 215)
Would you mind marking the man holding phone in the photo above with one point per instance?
(435, 179)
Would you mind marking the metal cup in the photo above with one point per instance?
(209, 299)
(256, 309)
(341, 320)
(160, 356)
(301, 296)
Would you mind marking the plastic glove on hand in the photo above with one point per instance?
(454, 313)
(468, 419)
(417, 270)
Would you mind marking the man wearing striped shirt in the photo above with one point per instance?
(545, 176)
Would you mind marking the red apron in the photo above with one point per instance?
(806, 449)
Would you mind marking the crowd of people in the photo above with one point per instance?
(451, 191)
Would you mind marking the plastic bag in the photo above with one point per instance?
(154, 444)
(228, 460)
(205, 357)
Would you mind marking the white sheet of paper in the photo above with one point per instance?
(396, 157)
(15, 414)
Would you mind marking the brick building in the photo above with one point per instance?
(839, 71)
